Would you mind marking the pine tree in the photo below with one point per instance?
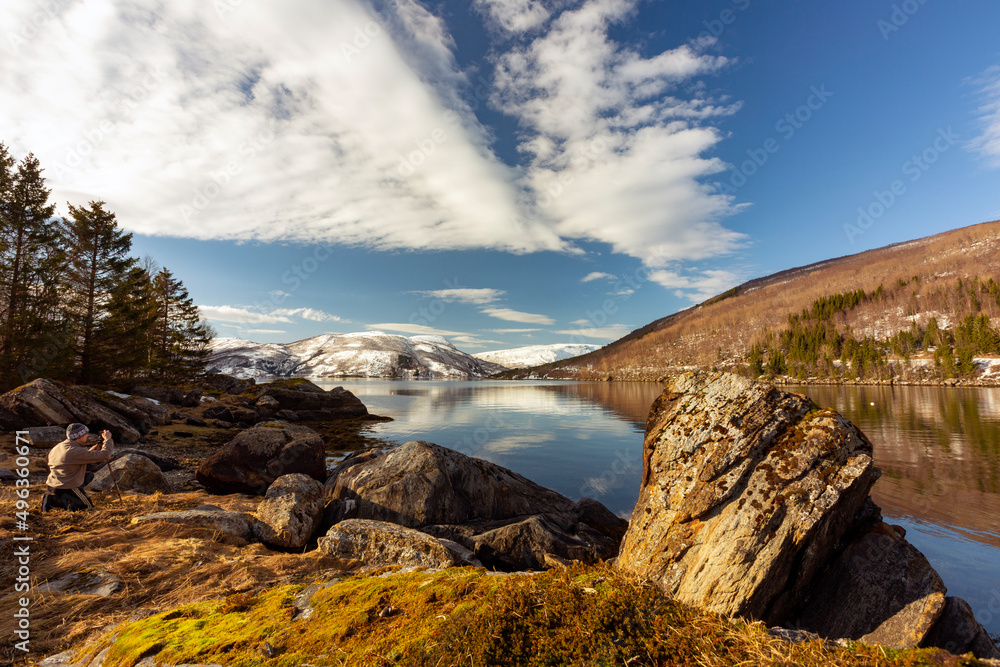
(33, 340)
(126, 333)
(181, 337)
(98, 262)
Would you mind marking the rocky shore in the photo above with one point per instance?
(241, 511)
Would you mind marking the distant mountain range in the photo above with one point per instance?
(369, 354)
(535, 355)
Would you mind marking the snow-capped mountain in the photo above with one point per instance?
(370, 354)
(535, 355)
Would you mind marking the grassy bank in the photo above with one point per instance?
(464, 616)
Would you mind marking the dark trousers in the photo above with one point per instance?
(68, 499)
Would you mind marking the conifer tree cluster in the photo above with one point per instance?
(74, 305)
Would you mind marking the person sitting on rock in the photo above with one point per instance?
(68, 469)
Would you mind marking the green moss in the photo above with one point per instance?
(464, 616)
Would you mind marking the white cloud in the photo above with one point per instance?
(263, 123)
(464, 295)
(988, 143)
(322, 122)
(414, 329)
(517, 316)
(514, 15)
(307, 314)
(240, 315)
(598, 275)
(510, 331)
(273, 332)
(615, 153)
(613, 332)
(472, 341)
(581, 323)
(696, 288)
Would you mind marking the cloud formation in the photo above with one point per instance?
(240, 315)
(988, 143)
(331, 122)
(613, 332)
(696, 288)
(517, 316)
(598, 275)
(480, 296)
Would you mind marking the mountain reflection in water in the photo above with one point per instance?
(938, 448)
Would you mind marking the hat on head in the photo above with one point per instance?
(76, 431)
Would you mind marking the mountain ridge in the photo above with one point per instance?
(947, 277)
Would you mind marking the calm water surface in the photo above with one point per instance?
(938, 448)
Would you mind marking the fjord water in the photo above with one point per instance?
(938, 448)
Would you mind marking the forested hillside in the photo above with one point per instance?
(924, 309)
(74, 305)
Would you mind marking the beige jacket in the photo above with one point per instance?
(68, 463)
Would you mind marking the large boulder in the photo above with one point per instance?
(290, 513)
(754, 502)
(378, 543)
(132, 472)
(958, 632)
(236, 524)
(309, 401)
(228, 383)
(46, 402)
(250, 462)
(507, 520)
(746, 491)
(893, 595)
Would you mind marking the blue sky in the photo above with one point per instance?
(502, 172)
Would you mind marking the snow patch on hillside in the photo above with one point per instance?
(536, 355)
(368, 354)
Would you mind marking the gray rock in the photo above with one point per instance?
(755, 503)
(251, 461)
(290, 513)
(132, 472)
(378, 543)
(958, 632)
(158, 413)
(880, 590)
(164, 463)
(237, 524)
(746, 491)
(7, 475)
(508, 521)
(228, 383)
(46, 402)
(88, 581)
(46, 436)
(302, 396)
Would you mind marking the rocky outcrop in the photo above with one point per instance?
(754, 502)
(250, 462)
(378, 543)
(49, 403)
(894, 595)
(133, 472)
(307, 400)
(228, 383)
(290, 513)
(958, 632)
(188, 398)
(237, 524)
(508, 521)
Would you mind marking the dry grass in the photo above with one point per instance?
(163, 565)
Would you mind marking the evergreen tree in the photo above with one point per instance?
(98, 263)
(181, 337)
(33, 339)
(126, 333)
